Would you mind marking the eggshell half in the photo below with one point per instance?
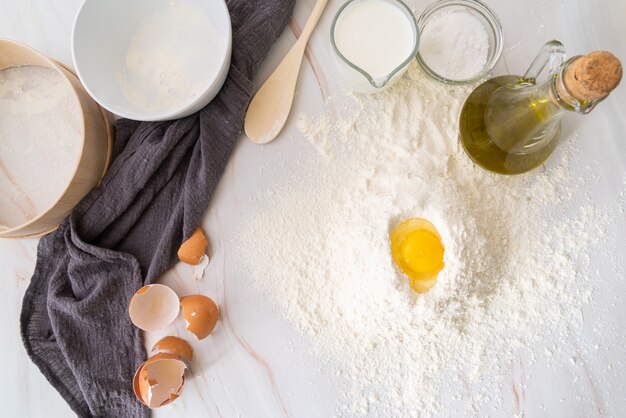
(136, 385)
(194, 248)
(174, 345)
(201, 314)
(153, 307)
(159, 380)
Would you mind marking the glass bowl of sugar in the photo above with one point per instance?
(460, 41)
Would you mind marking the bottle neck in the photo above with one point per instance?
(562, 97)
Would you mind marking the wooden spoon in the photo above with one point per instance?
(271, 105)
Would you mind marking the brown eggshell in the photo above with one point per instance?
(153, 307)
(136, 385)
(201, 314)
(194, 248)
(144, 387)
(136, 388)
(159, 380)
(174, 345)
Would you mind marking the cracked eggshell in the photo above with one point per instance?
(194, 248)
(201, 314)
(159, 380)
(136, 386)
(153, 307)
(174, 345)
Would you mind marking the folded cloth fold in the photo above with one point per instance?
(125, 233)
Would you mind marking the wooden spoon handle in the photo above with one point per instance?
(270, 107)
(316, 13)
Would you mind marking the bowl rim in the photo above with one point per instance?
(55, 66)
(494, 24)
(182, 110)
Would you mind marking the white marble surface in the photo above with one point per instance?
(255, 365)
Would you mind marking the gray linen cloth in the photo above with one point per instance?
(126, 232)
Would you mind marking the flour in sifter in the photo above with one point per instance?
(515, 275)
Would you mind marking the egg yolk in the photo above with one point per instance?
(422, 251)
(417, 249)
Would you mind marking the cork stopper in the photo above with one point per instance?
(593, 76)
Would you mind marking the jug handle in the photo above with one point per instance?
(552, 55)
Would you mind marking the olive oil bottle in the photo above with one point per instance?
(511, 124)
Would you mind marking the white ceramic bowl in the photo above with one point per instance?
(152, 60)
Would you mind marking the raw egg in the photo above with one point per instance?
(194, 248)
(153, 307)
(174, 345)
(417, 250)
(201, 314)
(159, 380)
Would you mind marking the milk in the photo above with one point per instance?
(375, 35)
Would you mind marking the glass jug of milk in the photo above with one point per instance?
(373, 41)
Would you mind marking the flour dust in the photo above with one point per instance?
(517, 251)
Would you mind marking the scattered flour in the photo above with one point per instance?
(41, 134)
(318, 251)
(455, 45)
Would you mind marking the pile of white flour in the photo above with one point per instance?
(318, 251)
(41, 133)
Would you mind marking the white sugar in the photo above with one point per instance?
(40, 136)
(455, 45)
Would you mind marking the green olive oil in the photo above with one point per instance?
(508, 128)
(512, 124)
